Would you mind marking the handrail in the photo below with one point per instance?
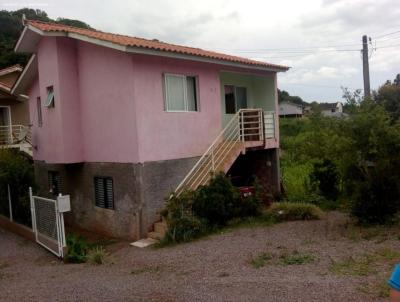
(8, 134)
(232, 134)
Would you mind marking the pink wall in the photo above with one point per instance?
(110, 106)
(169, 135)
(107, 105)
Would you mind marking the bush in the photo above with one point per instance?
(284, 211)
(217, 202)
(16, 171)
(78, 249)
(183, 226)
(194, 213)
(376, 200)
(325, 179)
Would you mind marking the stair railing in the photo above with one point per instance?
(235, 134)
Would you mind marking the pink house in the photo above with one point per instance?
(120, 122)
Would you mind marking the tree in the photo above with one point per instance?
(352, 99)
(284, 96)
(11, 28)
(388, 96)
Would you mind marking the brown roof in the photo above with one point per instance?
(10, 69)
(148, 44)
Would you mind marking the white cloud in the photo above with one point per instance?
(252, 28)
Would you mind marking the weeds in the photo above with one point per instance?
(260, 260)
(148, 269)
(295, 258)
(97, 255)
(352, 267)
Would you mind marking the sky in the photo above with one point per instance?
(319, 39)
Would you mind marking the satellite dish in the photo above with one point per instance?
(23, 133)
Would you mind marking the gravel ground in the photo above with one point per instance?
(216, 268)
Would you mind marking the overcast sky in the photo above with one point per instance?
(306, 35)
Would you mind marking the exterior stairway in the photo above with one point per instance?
(247, 128)
(16, 137)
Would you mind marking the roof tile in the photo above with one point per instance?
(148, 44)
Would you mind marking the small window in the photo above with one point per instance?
(39, 111)
(235, 98)
(54, 183)
(50, 97)
(104, 192)
(180, 93)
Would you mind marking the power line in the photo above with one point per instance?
(384, 35)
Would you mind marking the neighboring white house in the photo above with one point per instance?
(332, 109)
(289, 109)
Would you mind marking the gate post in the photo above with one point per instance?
(32, 203)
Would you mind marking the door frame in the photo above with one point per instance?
(9, 114)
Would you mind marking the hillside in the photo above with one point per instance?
(11, 27)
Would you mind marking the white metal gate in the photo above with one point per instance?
(48, 222)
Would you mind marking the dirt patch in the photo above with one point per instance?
(294, 261)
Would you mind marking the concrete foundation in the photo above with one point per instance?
(139, 193)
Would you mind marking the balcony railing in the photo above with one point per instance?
(15, 135)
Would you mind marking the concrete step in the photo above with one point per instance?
(160, 227)
(155, 235)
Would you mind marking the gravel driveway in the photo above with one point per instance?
(216, 268)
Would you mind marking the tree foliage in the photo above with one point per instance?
(11, 28)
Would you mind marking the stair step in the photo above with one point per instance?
(160, 227)
(155, 235)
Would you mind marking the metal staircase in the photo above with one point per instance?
(247, 128)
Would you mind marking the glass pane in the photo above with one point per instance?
(191, 93)
(241, 97)
(230, 107)
(175, 92)
(50, 97)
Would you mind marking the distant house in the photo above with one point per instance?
(289, 109)
(14, 110)
(120, 122)
(331, 109)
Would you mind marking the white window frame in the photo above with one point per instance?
(184, 92)
(49, 104)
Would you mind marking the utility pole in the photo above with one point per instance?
(367, 89)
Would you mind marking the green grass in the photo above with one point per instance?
(97, 255)
(285, 211)
(260, 260)
(352, 267)
(295, 258)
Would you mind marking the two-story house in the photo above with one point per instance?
(120, 122)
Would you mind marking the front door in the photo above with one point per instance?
(5, 123)
(235, 98)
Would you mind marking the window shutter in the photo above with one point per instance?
(109, 193)
(104, 192)
(99, 192)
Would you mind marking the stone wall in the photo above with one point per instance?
(139, 193)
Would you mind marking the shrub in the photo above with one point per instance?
(217, 202)
(325, 179)
(376, 199)
(183, 226)
(194, 213)
(16, 171)
(284, 211)
(78, 249)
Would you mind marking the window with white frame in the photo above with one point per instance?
(50, 97)
(180, 93)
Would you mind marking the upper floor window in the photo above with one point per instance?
(39, 111)
(50, 97)
(235, 98)
(180, 93)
